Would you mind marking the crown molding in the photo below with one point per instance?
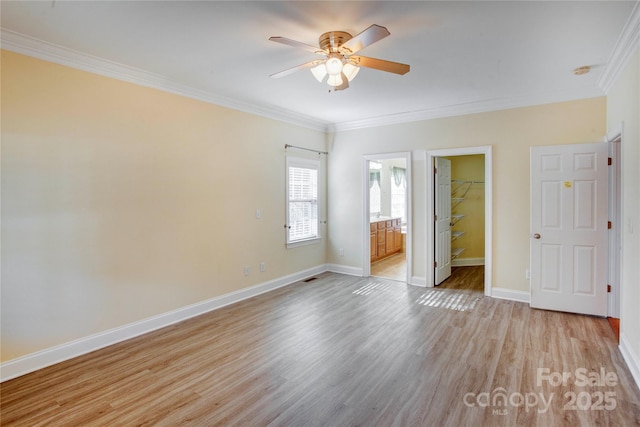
(470, 108)
(20, 43)
(626, 45)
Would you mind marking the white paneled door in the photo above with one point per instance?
(569, 228)
(443, 219)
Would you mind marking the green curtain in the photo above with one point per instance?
(374, 176)
(399, 177)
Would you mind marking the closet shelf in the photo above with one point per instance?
(456, 218)
(455, 201)
(460, 187)
(455, 252)
(459, 190)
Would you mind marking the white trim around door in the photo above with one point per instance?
(616, 147)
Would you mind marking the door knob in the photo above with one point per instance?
(536, 236)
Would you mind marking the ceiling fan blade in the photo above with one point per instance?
(299, 67)
(368, 37)
(379, 64)
(298, 44)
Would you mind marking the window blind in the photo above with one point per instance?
(302, 201)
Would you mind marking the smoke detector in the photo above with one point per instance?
(581, 70)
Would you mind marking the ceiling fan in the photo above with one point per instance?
(340, 62)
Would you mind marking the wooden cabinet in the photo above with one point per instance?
(385, 238)
(397, 236)
(382, 248)
(373, 241)
(389, 246)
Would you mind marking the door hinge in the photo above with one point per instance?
(435, 263)
(435, 218)
(609, 161)
(608, 288)
(435, 170)
(609, 225)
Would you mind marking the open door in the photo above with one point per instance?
(569, 228)
(442, 219)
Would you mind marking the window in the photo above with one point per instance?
(302, 201)
(398, 191)
(375, 193)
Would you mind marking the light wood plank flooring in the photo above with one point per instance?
(340, 351)
(393, 267)
(470, 278)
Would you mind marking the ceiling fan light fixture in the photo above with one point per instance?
(350, 70)
(335, 80)
(333, 66)
(319, 72)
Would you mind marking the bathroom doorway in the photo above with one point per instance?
(387, 217)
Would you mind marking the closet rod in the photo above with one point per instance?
(460, 181)
(307, 149)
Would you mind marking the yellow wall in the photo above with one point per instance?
(623, 107)
(511, 133)
(121, 202)
(469, 168)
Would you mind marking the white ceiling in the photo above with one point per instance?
(464, 56)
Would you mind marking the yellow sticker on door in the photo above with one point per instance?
(568, 184)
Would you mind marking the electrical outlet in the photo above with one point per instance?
(263, 267)
(247, 270)
(341, 251)
(527, 274)
(258, 214)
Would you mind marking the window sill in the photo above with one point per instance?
(305, 242)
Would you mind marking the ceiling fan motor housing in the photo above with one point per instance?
(335, 39)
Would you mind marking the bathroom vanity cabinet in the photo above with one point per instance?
(385, 237)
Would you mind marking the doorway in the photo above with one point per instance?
(484, 182)
(459, 222)
(387, 216)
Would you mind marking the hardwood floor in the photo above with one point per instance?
(343, 350)
(615, 325)
(470, 278)
(393, 267)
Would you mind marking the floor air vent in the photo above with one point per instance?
(310, 279)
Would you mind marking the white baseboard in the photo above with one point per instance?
(50, 356)
(344, 269)
(465, 262)
(418, 281)
(632, 359)
(510, 294)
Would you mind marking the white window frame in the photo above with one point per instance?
(394, 195)
(377, 209)
(298, 162)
